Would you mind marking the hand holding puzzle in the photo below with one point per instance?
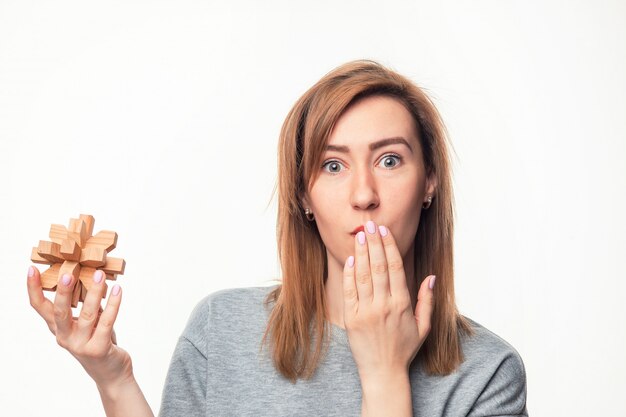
(75, 251)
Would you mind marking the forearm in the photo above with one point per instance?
(387, 395)
(125, 400)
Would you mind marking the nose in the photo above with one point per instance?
(363, 194)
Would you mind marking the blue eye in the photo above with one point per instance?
(334, 163)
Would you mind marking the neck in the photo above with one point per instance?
(333, 288)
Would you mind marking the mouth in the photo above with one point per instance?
(357, 230)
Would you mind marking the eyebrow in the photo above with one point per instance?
(374, 145)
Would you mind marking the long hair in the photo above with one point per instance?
(297, 324)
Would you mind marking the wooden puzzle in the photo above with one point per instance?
(74, 250)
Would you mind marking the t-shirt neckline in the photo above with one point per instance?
(339, 335)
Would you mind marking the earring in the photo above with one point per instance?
(309, 215)
(430, 200)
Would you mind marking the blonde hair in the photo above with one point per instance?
(298, 315)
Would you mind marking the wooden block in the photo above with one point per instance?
(114, 265)
(89, 222)
(76, 293)
(83, 292)
(93, 256)
(50, 277)
(75, 251)
(70, 250)
(104, 238)
(78, 232)
(70, 267)
(86, 274)
(58, 233)
(34, 256)
(87, 279)
(50, 251)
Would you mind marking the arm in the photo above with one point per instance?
(387, 395)
(125, 400)
(184, 392)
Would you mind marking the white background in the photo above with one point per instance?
(161, 119)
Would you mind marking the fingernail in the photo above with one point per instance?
(383, 230)
(350, 261)
(361, 237)
(431, 284)
(370, 226)
(116, 289)
(66, 279)
(31, 271)
(97, 276)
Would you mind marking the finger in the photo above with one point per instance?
(100, 310)
(91, 307)
(424, 307)
(62, 306)
(103, 333)
(378, 261)
(362, 269)
(350, 294)
(38, 301)
(395, 265)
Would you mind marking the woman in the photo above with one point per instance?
(364, 321)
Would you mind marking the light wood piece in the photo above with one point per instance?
(75, 250)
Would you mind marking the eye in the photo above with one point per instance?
(388, 158)
(333, 163)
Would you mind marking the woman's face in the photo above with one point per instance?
(373, 169)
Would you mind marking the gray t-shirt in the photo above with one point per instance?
(217, 370)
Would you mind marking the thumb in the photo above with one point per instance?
(424, 307)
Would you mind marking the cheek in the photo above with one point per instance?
(403, 196)
(404, 210)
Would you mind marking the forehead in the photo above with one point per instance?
(372, 118)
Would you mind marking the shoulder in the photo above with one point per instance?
(485, 343)
(497, 369)
(226, 307)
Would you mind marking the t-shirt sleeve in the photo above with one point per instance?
(185, 385)
(505, 393)
(184, 393)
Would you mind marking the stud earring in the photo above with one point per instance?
(309, 215)
(430, 200)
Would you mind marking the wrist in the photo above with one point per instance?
(384, 381)
(386, 391)
(117, 389)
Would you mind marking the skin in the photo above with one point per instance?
(90, 338)
(387, 318)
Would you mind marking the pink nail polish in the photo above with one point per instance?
(116, 290)
(97, 276)
(383, 230)
(431, 284)
(371, 227)
(31, 272)
(66, 279)
(361, 237)
(350, 261)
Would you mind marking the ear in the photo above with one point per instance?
(305, 202)
(431, 185)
